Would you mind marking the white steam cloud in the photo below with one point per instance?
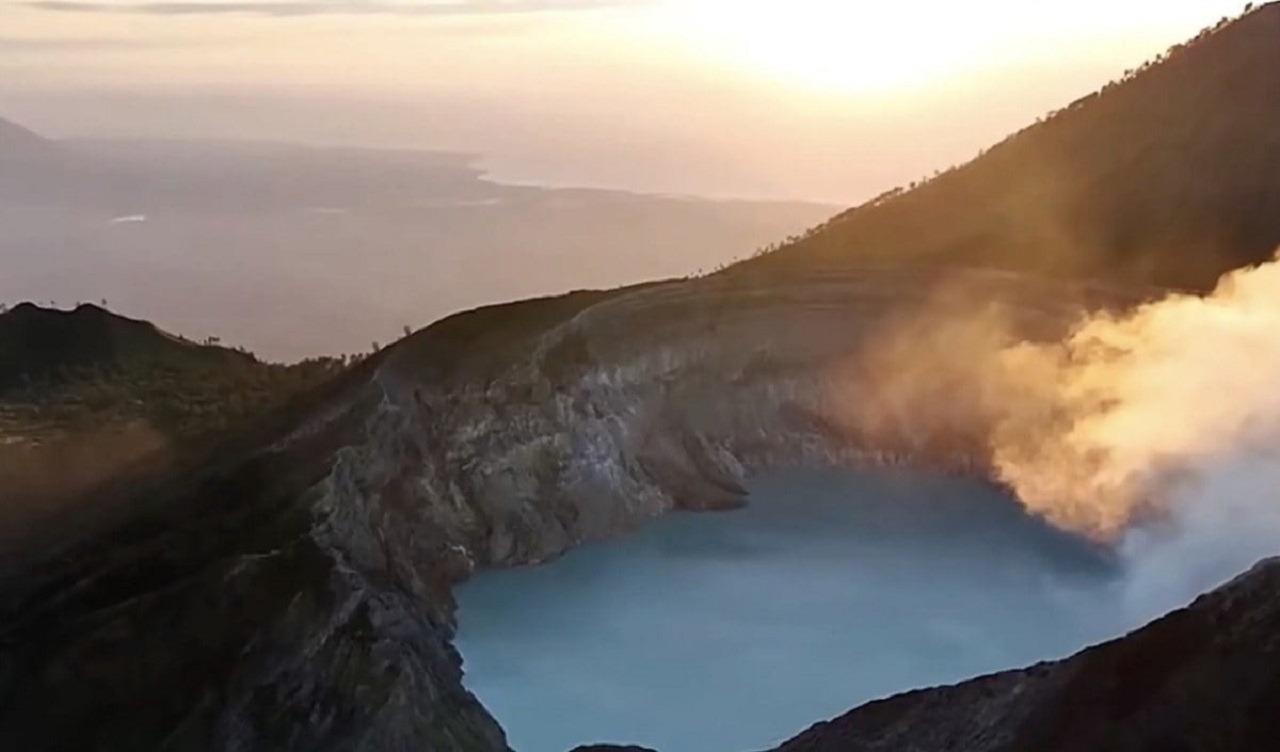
(1147, 404)
(1164, 434)
(1156, 430)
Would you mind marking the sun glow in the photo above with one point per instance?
(845, 46)
(877, 46)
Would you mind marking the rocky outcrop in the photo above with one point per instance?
(297, 593)
(666, 397)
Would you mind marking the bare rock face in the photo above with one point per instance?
(294, 592)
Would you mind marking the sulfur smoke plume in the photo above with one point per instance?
(1159, 430)
(1139, 410)
(1156, 430)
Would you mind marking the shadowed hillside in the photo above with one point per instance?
(48, 345)
(19, 144)
(1171, 176)
(90, 398)
(65, 371)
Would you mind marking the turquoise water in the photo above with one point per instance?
(730, 632)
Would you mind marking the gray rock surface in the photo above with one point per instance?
(295, 593)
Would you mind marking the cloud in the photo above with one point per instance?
(1155, 429)
(287, 8)
(1162, 435)
(1145, 406)
(60, 45)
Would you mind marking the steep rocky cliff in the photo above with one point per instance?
(297, 594)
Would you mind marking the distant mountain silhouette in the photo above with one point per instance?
(309, 220)
(19, 144)
(1169, 176)
(43, 344)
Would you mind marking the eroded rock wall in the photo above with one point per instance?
(668, 398)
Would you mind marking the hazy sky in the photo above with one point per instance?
(834, 100)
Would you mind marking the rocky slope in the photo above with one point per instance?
(297, 595)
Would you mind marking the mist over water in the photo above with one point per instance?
(735, 631)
